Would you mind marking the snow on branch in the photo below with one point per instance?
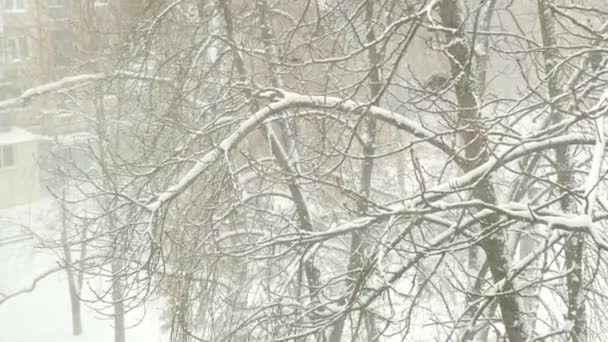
(71, 82)
(226, 145)
(287, 100)
(32, 287)
(464, 182)
(61, 85)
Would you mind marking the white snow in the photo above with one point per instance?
(16, 135)
(75, 138)
(44, 314)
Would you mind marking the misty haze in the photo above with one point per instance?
(303, 170)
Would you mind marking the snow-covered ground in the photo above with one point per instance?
(44, 314)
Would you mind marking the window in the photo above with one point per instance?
(12, 49)
(17, 48)
(24, 47)
(14, 5)
(57, 9)
(3, 52)
(62, 46)
(7, 156)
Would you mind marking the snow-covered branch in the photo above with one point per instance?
(289, 100)
(72, 82)
(32, 287)
(63, 84)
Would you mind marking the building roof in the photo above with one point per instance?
(16, 135)
(77, 138)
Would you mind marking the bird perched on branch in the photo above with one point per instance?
(436, 82)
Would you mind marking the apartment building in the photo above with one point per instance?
(42, 41)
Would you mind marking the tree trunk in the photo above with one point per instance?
(574, 252)
(72, 287)
(358, 243)
(119, 310)
(494, 245)
(116, 265)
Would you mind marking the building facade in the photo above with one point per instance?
(19, 171)
(43, 41)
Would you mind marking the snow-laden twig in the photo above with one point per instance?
(71, 82)
(32, 287)
(56, 86)
(514, 271)
(287, 100)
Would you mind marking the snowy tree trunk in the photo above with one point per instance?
(494, 246)
(358, 243)
(119, 310)
(72, 286)
(574, 252)
(276, 135)
(116, 264)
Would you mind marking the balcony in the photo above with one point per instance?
(57, 9)
(101, 3)
(58, 12)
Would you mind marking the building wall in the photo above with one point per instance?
(61, 40)
(20, 183)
